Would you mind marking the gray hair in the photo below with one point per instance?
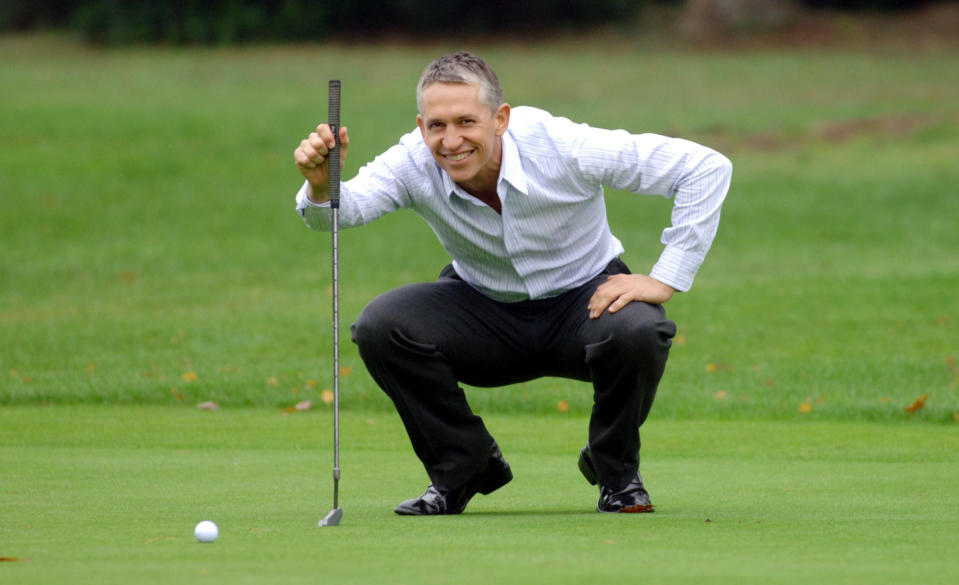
(462, 67)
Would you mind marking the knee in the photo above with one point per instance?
(374, 324)
(641, 328)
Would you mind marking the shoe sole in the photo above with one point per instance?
(638, 509)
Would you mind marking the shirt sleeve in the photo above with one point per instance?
(380, 187)
(696, 177)
(698, 196)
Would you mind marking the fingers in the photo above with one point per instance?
(608, 295)
(621, 289)
(313, 150)
(344, 145)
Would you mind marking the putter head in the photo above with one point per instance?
(333, 518)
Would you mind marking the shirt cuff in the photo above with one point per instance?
(677, 268)
(317, 216)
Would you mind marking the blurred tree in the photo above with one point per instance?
(238, 21)
(709, 18)
(868, 4)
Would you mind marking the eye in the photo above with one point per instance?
(468, 122)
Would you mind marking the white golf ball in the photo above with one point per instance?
(206, 531)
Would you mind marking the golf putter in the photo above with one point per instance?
(336, 514)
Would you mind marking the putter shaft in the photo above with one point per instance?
(333, 518)
(336, 359)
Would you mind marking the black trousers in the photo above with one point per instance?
(421, 340)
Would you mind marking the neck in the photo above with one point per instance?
(490, 198)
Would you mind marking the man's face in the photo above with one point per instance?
(462, 134)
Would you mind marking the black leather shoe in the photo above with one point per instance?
(494, 474)
(632, 499)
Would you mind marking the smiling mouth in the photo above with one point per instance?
(458, 157)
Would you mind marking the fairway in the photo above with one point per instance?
(111, 494)
(174, 269)
(806, 429)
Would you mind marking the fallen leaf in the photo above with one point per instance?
(885, 399)
(805, 408)
(562, 406)
(272, 381)
(680, 340)
(326, 396)
(346, 371)
(720, 395)
(176, 394)
(311, 383)
(716, 367)
(128, 276)
(208, 406)
(917, 404)
(304, 405)
(189, 377)
(90, 367)
(955, 416)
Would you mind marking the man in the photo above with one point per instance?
(536, 287)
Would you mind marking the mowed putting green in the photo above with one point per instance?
(101, 494)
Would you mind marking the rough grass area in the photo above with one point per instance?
(151, 253)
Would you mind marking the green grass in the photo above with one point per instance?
(148, 229)
(105, 494)
(151, 260)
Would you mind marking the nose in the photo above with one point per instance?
(451, 139)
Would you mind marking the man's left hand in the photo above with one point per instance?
(621, 289)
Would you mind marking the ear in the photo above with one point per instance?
(419, 122)
(501, 119)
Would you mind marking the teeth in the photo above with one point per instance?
(458, 157)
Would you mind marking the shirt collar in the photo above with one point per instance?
(511, 170)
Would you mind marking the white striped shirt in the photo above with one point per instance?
(553, 234)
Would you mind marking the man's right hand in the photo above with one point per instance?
(311, 159)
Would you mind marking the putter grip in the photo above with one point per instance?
(334, 157)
